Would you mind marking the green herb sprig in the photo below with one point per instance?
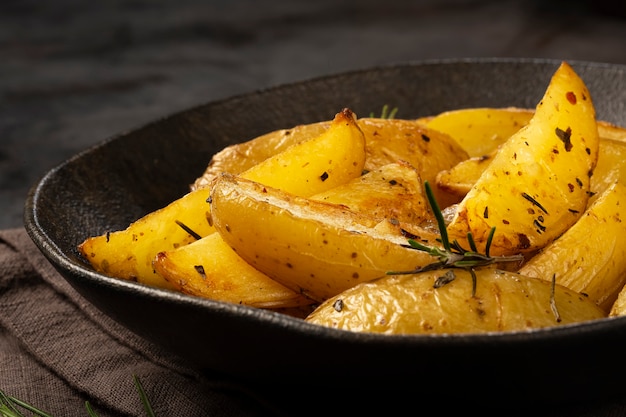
(13, 407)
(386, 113)
(453, 255)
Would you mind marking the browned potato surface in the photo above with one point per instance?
(128, 253)
(619, 307)
(419, 304)
(210, 268)
(428, 150)
(460, 179)
(394, 191)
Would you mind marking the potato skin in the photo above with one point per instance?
(209, 268)
(410, 304)
(393, 191)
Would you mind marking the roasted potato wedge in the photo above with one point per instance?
(309, 167)
(394, 191)
(334, 157)
(480, 130)
(538, 183)
(460, 179)
(429, 151)
(239, 157)
(128, 253)
(314, 248)
(210, 268)
(437, 302)
(590, 257)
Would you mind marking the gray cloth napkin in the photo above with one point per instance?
(57, 351)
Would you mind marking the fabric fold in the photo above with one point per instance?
(51, 335)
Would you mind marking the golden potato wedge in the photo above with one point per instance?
(480, 130)
(210, 268)
(394, 191)
(429, 151)
(332, 158)
(239, 157)
(319, 164)
(315, 248)
(128, 253)
(610, 166)
(537, 185)
(460, 179)
(590, 257)
(441, 301)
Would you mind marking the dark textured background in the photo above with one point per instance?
(73, 73)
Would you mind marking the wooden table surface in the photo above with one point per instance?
(74, 73)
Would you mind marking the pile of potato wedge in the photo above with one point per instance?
(318, 221)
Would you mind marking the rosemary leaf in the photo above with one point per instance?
(144, 398)
(386, 113)
(8, 407)
(434, 206)
(90, 410)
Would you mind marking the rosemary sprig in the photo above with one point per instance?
(386, 113)
(453, 255)
(12, 407)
